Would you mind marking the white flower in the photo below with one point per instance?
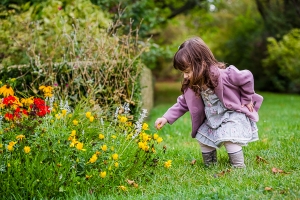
(126, 108)
(117, 113)
(139, 123)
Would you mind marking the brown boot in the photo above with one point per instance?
(237, 159)
(209, 157)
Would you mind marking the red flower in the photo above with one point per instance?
(9, 100)
(39, 107)
(24, 112)
(9, 116)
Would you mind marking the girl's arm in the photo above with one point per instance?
(244, 80)
(173, 113)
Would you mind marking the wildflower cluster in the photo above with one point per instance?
(77, 145)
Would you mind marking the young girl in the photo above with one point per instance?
(221, 101)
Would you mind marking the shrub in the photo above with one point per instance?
(65, 151)
(79, 57)
(283, 62)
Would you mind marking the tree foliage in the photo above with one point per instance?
(283, 63)
(152, 13)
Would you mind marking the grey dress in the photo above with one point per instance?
(223, 125)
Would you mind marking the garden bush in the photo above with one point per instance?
(49, 149)
(75, 49)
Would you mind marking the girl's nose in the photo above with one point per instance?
(186, 76)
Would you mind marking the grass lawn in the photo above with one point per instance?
(278, 150)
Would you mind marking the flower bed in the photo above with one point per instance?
(48, 149)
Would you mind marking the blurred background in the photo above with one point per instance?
(259, 35)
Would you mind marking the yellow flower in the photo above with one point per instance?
(168, 164)
(159, 140)
(2, 105)
(73, 133)
(75, 122)
(88, 177)
(20, 137)
(146, 137)
(115, 156)
(116, 164)
(123, 119)
(104, 148)
(12, 143)
(6, 91)
(70, 115)
(93, 158)
(1, 145)
(141, 144)
(145, 126)
(122, 187)
(91, 118)
(58, 116)
(27, 101)
(155, 136)
(101, 136)
(26, 149)
(145, 147)
(64, 112)
(114, 137)
(103, 174)
(79, 146)
(47, 90)
(10, 147)
(88, 114)
(74, 142)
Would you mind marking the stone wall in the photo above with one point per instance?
(147, 89)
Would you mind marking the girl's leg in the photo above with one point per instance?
(235, 153)
(209, 154)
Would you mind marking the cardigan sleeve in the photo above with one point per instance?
(245, 81)
(177, 110)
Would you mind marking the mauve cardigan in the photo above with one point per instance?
(235, 87)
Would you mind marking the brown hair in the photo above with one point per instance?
(195, 55)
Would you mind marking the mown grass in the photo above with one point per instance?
(278, 147)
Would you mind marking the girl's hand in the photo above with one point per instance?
(160, 122)
(249, 106)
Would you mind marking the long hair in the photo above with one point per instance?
(195, 55)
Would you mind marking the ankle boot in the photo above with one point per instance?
(209, 157)
(237, 159)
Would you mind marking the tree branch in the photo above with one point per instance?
(190, 4)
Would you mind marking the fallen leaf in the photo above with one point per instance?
(135, 185)
(222, 173)
(193, 162)
(165, 148)
(268, 188)
(275, 170)
(260, 159)
(283, 192)
(130, 182)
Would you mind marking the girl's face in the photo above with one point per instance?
(187, 74)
